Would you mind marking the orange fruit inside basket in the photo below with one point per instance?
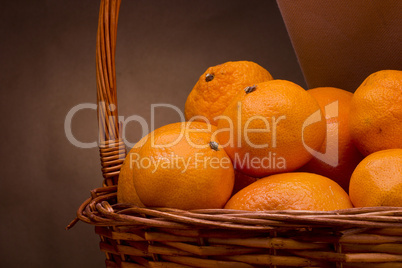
(339, 157)
(270, 127)
(218, 85)
(242, 181)
(126, 192)
(291, 191)
(377, 180)
(376, 112)
(184, 168)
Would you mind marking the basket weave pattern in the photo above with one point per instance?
(163, 237)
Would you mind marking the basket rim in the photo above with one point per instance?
(101, 209)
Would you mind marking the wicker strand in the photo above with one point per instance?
(106, 81)
(112, 149)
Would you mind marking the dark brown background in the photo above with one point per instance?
(47, 66)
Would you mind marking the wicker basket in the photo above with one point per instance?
(163, 237)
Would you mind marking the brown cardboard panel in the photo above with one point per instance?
(339, 43)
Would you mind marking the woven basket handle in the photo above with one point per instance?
(112, 149)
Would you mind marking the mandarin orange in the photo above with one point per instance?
(377, 180)
(376, 112)
(217, 87)
(291, 191)
(183, 168)
(241, 181)
(271, 127)
(338, 157)
(126, 192)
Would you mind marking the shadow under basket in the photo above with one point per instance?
(163, 237)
